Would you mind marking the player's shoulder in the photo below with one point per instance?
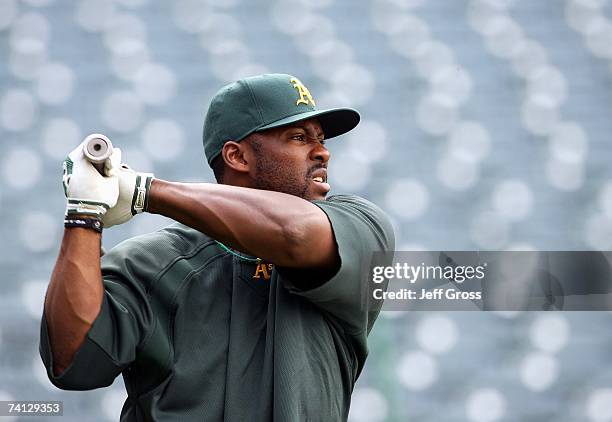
(347, 199)
(358, 212)
(354, 202)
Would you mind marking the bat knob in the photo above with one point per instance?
(97, 148)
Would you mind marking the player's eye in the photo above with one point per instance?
(299, 138)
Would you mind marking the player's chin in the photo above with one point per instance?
(317, 191)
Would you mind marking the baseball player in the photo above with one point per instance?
(249, 307)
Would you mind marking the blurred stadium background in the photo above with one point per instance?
(486, 125)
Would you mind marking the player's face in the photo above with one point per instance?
(292, 159)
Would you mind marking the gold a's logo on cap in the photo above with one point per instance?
(305, 97)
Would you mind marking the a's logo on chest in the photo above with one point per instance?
(263, 269)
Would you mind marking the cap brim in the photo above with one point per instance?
(334, 121)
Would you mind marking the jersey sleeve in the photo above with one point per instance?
(360, 230)
(124, 321)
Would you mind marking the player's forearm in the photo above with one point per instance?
(74, 296)
(283, 229)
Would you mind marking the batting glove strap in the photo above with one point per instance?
(140, 200)
(76, 206)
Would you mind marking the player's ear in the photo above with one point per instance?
(236, 156)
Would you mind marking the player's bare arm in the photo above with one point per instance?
(283, 229)
(74, 295)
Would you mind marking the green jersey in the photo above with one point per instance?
(201, 334)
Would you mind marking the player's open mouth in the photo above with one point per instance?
(320, 180)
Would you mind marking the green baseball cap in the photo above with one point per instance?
(264, 102)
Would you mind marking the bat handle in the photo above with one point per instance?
(97, 148)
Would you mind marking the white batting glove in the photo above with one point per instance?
(133, 196)
(87, 191)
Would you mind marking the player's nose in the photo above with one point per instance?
(320, 153)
